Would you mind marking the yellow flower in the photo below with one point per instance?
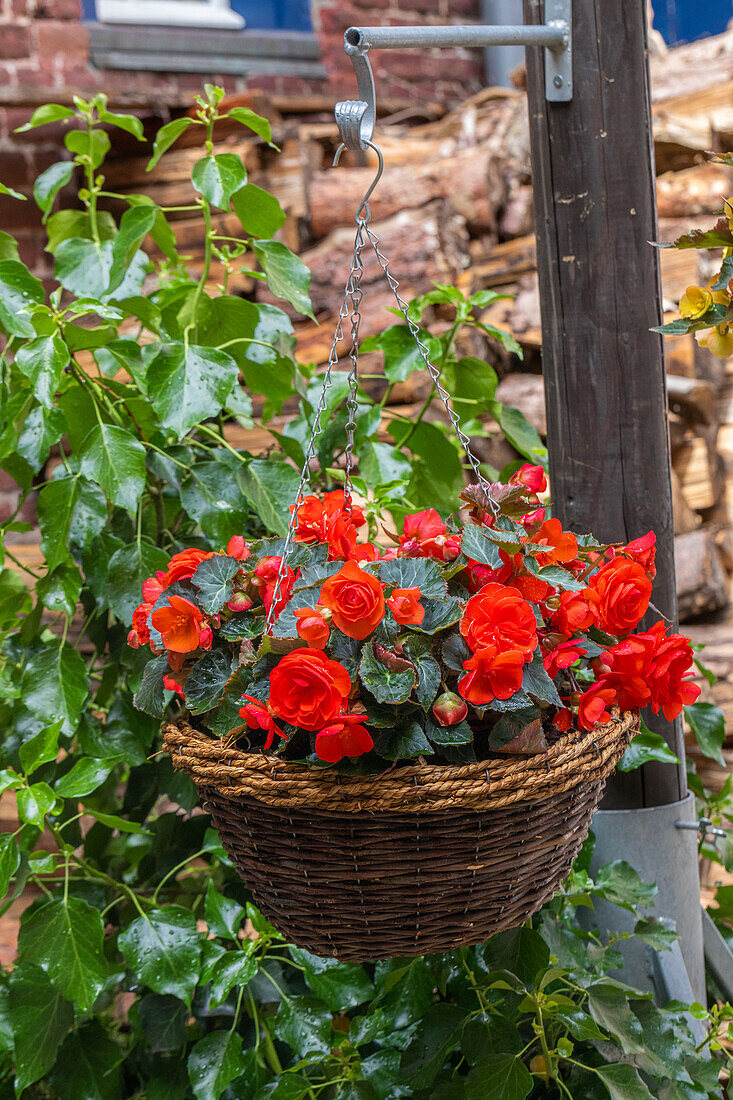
(720, 341)
(728, 204)
(695, 302)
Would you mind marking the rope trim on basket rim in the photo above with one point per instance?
(579, 757)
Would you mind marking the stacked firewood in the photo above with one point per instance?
(455, 205)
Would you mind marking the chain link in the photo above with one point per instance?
(347, 306)
(432, 370)
(356, 295)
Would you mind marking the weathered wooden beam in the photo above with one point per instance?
(593, 175)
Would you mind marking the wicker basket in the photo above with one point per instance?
(420, 859)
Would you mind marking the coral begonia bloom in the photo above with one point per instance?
(424, 535)
(498, 616)
(355, 599)
(577, 611)
(312, 626)
(624, 592)
(347, 736)
(308, 689)
(562, 546)
(140, 625)
(265, 578)
(644, 551)
(532, 477)
(563, 656)
(491, 675)
(650, 669)
(173, 685)
(404, 603)
(237, 548)
(179, 624)
(183, 566)
(593, 704)
(333, 521)
(153, 587)
(257, 716)
(563, 720)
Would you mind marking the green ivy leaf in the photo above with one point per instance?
(40, 749)
(381, 463)
(49, 183)
(135, 224)
(42, 361)
(425, 1055)
(128, 568)
(521, 434)
(115, 460)
(234, 968)
(211, 496)
(65, 938)
(88, 1065)
(271, 488)
(19, 292)
(609, 1006)
(207, 680)
(41, 1017)
(129, 123)
(304, 1023)
(54, 685)
(214, 579)
(166, 136)
(163, 950)
(707, 722)
(151, 696)
(645, 748)
(49, 112)
(189, 384)
(401, 354)
(60, 589)
(503, 1075)
(521, 951)
(247, 117)
(623, 1082)
(619, 883)
(218, 177)
(43, 427)
(341, 985)
(71, 512)
(214, 1062)
(34, 803)
(8, 246)
(259, 212)
(287, 276)
(163, 1021)
(85, 776)
(82, 266)
(9, 861)
(223, 915)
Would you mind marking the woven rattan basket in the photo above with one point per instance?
(420, 859)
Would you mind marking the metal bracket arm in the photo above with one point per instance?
(356, 119)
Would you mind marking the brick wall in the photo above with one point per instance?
(44, 57)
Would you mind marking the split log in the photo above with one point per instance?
(699, 478)
(701, 581)
(689, 70)
(465, 180)
(684, 518)
(692, 398)
(698, 190)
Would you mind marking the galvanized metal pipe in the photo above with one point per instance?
(554, 36)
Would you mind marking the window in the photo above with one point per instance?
(169, 13)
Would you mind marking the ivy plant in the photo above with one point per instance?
(143, 970)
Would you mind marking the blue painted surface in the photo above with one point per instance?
(268, 15)
(275, 15)
(686, 20)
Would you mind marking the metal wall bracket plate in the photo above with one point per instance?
(559, 63)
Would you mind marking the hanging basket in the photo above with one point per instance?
(419, 859)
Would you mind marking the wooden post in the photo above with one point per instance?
(595, 212)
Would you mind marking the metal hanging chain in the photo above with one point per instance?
(356, 294)
(432, 371)
(347, 306)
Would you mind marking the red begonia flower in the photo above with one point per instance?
(651, 669)
(624, 591)
(563, 720)
(173, 685)
(578, 611)
(532, 477)
(498, 616)
(424, 535)
(346, 736)
(562, 656)
(237, 548)
(308, 689)
(183, 566)
(355, 599)
(561, 545)
(257, 716)
(491, 674)
(593, 703)
(404, 603)
(312, 626)
(265, 580)
(179, 624)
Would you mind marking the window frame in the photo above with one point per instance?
(214, 14)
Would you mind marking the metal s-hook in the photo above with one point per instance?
(364, 204)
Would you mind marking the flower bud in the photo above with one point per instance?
(237, 548)
(240, 601)
(133, 640)
(206, 637)
(449, 709)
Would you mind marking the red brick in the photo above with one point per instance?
(15, 215)
(15, 170)
(58, 9)
(15, 40)
(55, 37)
